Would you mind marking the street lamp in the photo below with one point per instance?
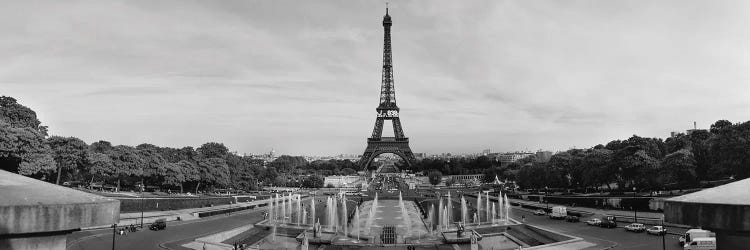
(663, 235)
(546, 192)
(635, 210)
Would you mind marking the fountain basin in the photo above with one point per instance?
(451, 237)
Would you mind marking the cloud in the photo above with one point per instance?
(506, 75)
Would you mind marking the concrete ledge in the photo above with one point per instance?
(33, 206)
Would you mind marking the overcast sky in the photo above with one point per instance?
(303, 77)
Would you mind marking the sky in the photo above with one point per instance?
(303, 77)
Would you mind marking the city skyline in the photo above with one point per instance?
(303, 78)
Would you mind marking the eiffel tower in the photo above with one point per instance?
(387, 110)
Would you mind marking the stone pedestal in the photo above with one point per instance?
(38, 215)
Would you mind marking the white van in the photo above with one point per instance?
(558, 212)
(701, 243)
(695, 233)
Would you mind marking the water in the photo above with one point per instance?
(404, 214)
(356, 221)
(464, 211)
(345, 222)
(487, 207)
(507, 209)
(440, 213)
(494, 214)
(479, 204)
(312, 210)
(430, 217)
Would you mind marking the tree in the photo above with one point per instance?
(22, 141)
(435, 177)
(213, 171)
(19, 116)
(313, 181)
(101, 147)
(69, 153)
(24, 151)
(729, 150)
(212, 150)
(127, 162)
(679, 168)
(100, 165)
(720, 127)
(597, 168)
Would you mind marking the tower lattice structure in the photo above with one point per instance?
(387, 110)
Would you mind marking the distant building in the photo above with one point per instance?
(420, 156)
(695, 129)
(505, 158)
(343, 180)
(543, 156)
(486, 152)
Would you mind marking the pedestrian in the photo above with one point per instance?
(204, 246)
(523, 218)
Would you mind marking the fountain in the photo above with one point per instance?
(479, 205)
(500, 204)
(356, 221)
(493, 214)
(283, 209)
(487, 206)
(464, 211)
(430, 217)
(312, 210)
(450, 210)
(507, 209)
(371, 215)
(440, 214)
(300, 215)
(345, 222)
(330, 211)
(404, 214)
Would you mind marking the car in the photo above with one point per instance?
(159, 224)
(657, 230)
(608, 222)
(636, 227)
(594, 222)
(539, 212)
(572, 218)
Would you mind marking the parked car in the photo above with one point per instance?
(608, 222)
(539, 212)
(159, 224)
(636, 227)
(594, 222)
(656, 230)
(572, 218)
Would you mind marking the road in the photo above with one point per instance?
(176, 234)
(617, 238)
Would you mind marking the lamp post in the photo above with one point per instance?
(546, 192)
(635, 210)
(663, 235)
(141, 210)
(114, 234)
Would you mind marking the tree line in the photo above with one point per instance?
(27, 149)
(682, 161)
